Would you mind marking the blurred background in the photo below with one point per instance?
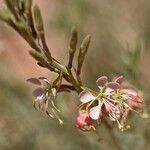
(120, 45)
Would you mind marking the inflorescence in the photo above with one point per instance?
(113, 101)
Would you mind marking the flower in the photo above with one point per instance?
(83, 120)
(128, 98)
(135, 103)
(40, 93)
(45, 94)
(96, 102)
(114, 100)
(41, 99)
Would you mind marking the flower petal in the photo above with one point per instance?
(45, 82)
(44, 106)
(101, 81)
(38, 92)
(86, 96)
(113, 85)
(44, 79)
(95, 112)
(34, 81)
(130, 92)
(135, 105)
(108, 91)
(109, 106)
(119, 79)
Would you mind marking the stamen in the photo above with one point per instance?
(120, 126)
(57, 117)
(96, 98)
(47, 112)
(125, 104)
(52, 102)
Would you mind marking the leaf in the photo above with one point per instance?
(40, 27)
(6, 15)
(38, 19)
(59, 66)
(28, 5)
(72, 46)
(11, 6)
(37, 56)
(82, 52)
(85, 44)
(73, 39)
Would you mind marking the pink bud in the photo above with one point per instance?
(83, 119)
(136, 103)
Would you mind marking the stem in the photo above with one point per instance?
(71, 56)
(76, 85)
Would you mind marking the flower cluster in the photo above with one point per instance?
(113, 101)
(45, 95)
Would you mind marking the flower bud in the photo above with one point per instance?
(135, 103)
(83, 119)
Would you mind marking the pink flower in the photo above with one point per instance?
(131, 100)
(97, 101)
(40, 93)
(135, 103)
(114, 100)
(84, 119)
(126, 97)
(45, 95)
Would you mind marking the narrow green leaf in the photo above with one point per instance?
(8, 18)
(37, 55)
(40, 28)
(72, 46)
(73, 39)
(38, 19)
(82, 52)
(28, 4)
(85, 44)
(11, 4)
(60, 67)
(5, 15)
